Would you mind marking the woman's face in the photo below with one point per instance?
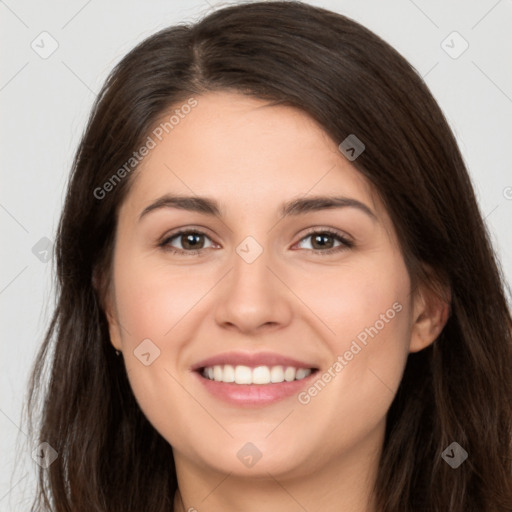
(250, 287)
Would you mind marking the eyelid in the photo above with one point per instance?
(332, 231)
(345, 240)
(164, 242)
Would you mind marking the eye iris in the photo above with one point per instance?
(188, 238)
(322, 243)
(191, 241)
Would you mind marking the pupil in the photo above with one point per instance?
(318, 237)
(189, 238)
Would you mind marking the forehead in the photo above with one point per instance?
(247, 153)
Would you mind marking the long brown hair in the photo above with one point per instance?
(459, 389)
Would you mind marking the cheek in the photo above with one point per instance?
(156, 304)
(364, 299)
(353, 394)
(152, 299)
(368, 309)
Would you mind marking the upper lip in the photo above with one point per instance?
(251, 359)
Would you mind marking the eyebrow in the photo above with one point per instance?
(209, 206)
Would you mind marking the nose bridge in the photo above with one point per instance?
(250, 272)
(251, 296)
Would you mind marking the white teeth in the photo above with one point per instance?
(277, 374)
(289, 374)
(228, 374)
(243, 374)
(217, 373)
(259, 375)
(301, 373)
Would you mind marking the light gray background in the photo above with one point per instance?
(45, 103)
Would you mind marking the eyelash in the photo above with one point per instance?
(345, 243)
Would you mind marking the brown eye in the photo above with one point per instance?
(323, 242)
(190, 242)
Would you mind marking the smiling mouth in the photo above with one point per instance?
(260, 375)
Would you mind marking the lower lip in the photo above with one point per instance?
(254, 394)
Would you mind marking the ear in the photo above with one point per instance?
(107, 303)
(114, 327)
(431, 310)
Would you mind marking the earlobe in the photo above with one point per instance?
(113, 325)
(114, 331)
(430, 314)
(107, 304)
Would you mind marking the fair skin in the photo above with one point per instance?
(251, 158)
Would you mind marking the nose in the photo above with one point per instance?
(253, 296)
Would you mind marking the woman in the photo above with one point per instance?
(276, 290)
